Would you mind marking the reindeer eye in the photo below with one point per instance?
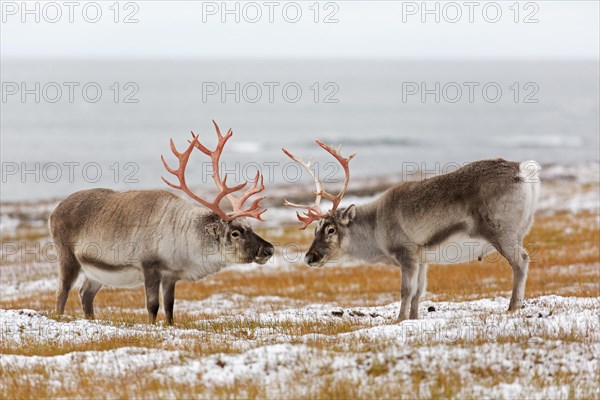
(235, 234)
(331, 230)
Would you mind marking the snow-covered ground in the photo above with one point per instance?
(531, 349)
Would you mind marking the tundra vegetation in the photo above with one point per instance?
(285, 330)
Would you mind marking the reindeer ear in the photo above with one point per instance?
(213, 229)
(347, 215)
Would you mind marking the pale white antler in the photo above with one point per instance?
(313, 212)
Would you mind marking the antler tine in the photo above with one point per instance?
(307, 167)
(173, 148)
(227, 135)
(236, 203)
(216, 154)
(183, 159)
(344, 161)
(199, 145)
(254, 209)
(307, 218)
(252, 190)
(171, 170)
(224, 191)
(313, 212)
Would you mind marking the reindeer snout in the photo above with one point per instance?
(267, 251)
(264, 253)
(312, 259)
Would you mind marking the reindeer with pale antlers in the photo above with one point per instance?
(123, 239)
(484, 206)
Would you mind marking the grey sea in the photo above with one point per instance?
(72, 124)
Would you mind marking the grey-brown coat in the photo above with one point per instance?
(123, 239)
(457, 217)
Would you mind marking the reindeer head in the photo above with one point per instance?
(229, 233)
(332, 229)
(233, 241)
(330, 237)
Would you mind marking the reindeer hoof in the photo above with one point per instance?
(518, 305)
(402, 319)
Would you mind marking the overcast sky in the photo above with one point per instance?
(365, 29)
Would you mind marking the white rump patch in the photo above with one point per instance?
(530, 171)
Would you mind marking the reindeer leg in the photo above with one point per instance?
(152, 286)
(422, 283)
(87, 293)
(408, 289)
(69, 269)
(520, 266)
(168, 289)
(517, 257)
(410, 274)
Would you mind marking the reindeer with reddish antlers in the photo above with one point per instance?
(484, 206)
(123, 239)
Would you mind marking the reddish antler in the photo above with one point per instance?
(237, 204)
(313, 212)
